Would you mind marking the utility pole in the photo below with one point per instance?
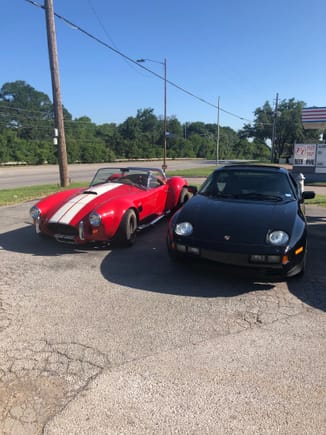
(274, 129)
(218, 132)
(57, 102)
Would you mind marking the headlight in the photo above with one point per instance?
(95, 219)
(183, 229)
(277, 238)
(35, 212)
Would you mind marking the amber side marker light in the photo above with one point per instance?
(299, 250)
(285, 259)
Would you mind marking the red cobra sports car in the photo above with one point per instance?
(117, 203)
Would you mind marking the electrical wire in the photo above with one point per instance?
(4, 109)
(76, 27)
(100, 22)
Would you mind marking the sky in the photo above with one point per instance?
(240, 53)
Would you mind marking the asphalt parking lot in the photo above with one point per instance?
(126, 342)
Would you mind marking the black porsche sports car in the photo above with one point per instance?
(244, 215)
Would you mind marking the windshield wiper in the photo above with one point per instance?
(218, 195)
(208, 194)
(261, 196)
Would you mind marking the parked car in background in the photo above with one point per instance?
(116, 204)
(244, 215)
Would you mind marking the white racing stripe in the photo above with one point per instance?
(69, 210)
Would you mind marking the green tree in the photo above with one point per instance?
(28, 114)
(107, 133)
(287, 124)
(26, 133)
(26, 110)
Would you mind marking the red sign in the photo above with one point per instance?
(305, 154)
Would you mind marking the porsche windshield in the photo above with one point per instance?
(248, 184)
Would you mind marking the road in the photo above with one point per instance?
(19, 176)
(12, 176)
(126, 342)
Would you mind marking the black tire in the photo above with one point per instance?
(126, 235)
(300, 273)
(185, 195)
(175, 256)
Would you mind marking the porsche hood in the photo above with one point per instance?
(239, 221)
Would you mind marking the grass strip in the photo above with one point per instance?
(194, 172)
(28, 193)
(319, 200)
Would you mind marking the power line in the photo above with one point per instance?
(76, 27)
(18, 109)
(100, 22)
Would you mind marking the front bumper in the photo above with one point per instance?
(287, 262)
(68, 234)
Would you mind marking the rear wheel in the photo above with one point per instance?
(126, 235)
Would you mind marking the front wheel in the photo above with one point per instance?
(298, 271)
(185, 195)
(126, 235)
(174, 255)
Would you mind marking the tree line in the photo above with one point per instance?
(26, 133)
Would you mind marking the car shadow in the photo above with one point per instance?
(311, 288)
(24, 240)
(147, 266)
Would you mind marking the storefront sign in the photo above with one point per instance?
(321, 159)
(305, 154)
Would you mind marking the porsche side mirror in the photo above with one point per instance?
(309, 194)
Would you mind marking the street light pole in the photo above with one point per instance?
(218, 132)
(274, 130)
(164, 166)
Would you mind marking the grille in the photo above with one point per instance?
(67, 230)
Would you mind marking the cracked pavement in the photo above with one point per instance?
(38, 379)
(124, 341)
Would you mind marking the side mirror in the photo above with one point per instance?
(192, 189)
(308, 194)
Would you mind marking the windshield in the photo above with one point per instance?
(139, 177)
(248, 184)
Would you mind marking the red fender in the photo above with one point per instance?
(176, 184)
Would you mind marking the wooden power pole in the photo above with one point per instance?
(57, 102)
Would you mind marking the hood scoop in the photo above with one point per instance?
(100, 189)
(89, 192)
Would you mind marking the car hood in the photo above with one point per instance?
(239, 221)
(70, 210)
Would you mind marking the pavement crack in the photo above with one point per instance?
(37, 380)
